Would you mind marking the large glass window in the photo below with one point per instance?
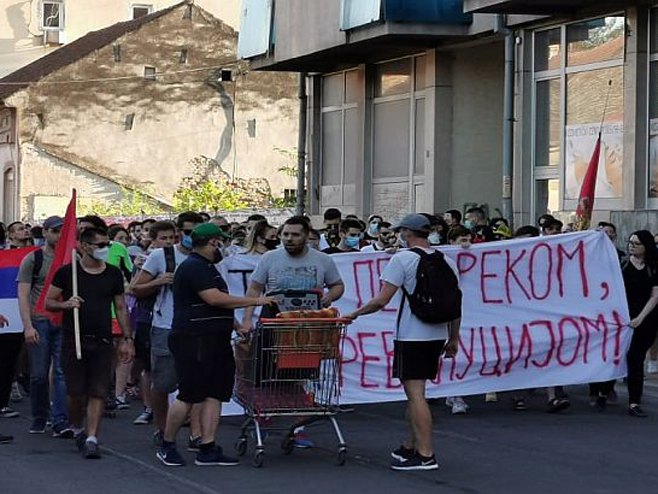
(399, 119)
(341, 134)
(653, 107)
(578, 91)
(547, 123)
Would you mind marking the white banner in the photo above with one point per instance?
(537, 312)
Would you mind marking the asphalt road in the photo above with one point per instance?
(490, 450)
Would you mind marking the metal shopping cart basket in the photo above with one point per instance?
(289, 368)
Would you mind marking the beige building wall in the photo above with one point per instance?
(21, 35)
(477, 118)
(80, 129)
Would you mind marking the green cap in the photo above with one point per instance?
(208, 230)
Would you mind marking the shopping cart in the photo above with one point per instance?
(289, 368)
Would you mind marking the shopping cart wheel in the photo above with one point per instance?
(241, 446)
(259, 457)
(288, 445)
(341, 456)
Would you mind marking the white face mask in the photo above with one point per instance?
(101, 254)
(434, 238)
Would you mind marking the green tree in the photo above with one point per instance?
(209, 196)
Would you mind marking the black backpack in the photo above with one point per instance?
(437, 297)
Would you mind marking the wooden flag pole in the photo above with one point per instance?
(76, 311)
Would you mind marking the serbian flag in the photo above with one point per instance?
(10, 261)
(63, 251)
(587, 190)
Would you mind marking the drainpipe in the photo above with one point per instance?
(301, 145)
(508, 116)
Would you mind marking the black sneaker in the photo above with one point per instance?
(170, 457)
(90, 451)
(636, 411)
(215, 457)
(418, 462)
(403, 453)
(601, 403)
(158, 437)
(4, 439)
(194, 444)
(38, 426)
(62, 431)
(80, 440)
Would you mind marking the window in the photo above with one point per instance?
(183, 56)
(577, 68)
(52, 15)
(141, 10)
(341, 136)
(399, 119)
(130, 122)
(116, 52)
(149, 73)
(653, 107)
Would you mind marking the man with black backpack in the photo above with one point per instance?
(43, 338)
(427, 326)
(157, 277)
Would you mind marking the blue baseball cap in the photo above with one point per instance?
(414, 222)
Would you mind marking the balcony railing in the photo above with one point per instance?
(356, 13)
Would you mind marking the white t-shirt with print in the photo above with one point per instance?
(401, 271)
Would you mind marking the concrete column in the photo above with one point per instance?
(522, 193)
(439, 127)
(636, 110)
(314, 143)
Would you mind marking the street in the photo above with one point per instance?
(490, 450)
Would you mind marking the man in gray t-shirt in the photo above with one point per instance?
(295, 267)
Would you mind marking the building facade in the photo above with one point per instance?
(408, 102)
(32, 29)
(142, 105)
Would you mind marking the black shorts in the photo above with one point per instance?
(416, 360)
(205, 366)
(143, 344)
(92, 375)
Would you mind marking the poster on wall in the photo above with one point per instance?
(580, 141)
(653, 158)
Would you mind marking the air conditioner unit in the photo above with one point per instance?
(53, 37)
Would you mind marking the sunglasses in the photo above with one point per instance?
(100, 245)
(225, 228)
(187, 231)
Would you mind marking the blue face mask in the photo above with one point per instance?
(373, 230)
(186, 241)
(469, 224)
(352, 242)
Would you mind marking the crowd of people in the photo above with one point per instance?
(156, 317)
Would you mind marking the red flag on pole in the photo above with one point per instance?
(67, 242)
(587, 190)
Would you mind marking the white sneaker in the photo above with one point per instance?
(450, 401)
(652, 367)
(459, 406)
(491, 398)
(16, 396)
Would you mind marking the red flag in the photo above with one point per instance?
(587, 189)
(63, 249)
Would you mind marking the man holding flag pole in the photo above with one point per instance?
(87, 293)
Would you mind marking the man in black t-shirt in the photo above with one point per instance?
(200, 343)
(88, 380)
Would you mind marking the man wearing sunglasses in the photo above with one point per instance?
(100, 286)
(43, 338)
(157, 277)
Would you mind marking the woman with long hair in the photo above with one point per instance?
(640, 275)
(261, 238)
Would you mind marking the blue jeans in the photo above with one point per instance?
(47, 352)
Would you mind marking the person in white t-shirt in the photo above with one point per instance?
(418, 344)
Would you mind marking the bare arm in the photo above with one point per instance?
(146, 284)
(376, 304)
(31, 335)
(217, 298)
(648, 308)
(54, 304)
(255, 290)
(335, 292)
(127, 348)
